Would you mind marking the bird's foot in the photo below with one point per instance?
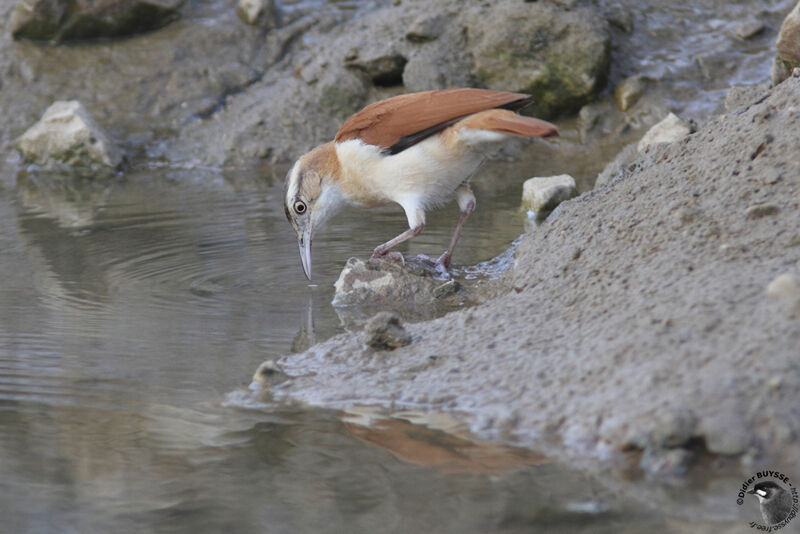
(444, 260)
(443, 264)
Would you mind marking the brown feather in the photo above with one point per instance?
(386, 122)
(502, 120)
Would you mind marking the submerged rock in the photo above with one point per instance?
(541, 195)
(63, 20)
(787, 47)
(559, 57)
(668, 130)
(385, 331)
(67, 135)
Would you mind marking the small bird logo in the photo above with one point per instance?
(417, 150)
(775, 501)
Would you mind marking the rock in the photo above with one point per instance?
(628, 91)
(386, 284)
(261, 13)
(783, 286)
(446, 289)
(787, 47)
(426, 28)
(668, 130)
(785, 291)
(438, 67)
(269, 373)
(750, 28)
(67, 134)
(385, 331)
(561, 58)
(63, 20)
(385, 69)
(544, 194)
(759, 211)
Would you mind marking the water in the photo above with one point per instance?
(133, 312)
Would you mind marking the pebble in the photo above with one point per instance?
(784, 288)
(543, 194)
(385, 331)
(758, 211)
(446, 289)
(670, 129)
(269, 373)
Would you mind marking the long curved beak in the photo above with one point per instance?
(304, 243)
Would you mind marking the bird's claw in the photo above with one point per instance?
(444, 261)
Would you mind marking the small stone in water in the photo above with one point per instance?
(385, 331)
(544, 194)
(446, 289)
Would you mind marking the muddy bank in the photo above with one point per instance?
(640, 316)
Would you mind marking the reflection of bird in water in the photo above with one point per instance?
(775, 501)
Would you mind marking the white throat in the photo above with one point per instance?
(330, 201)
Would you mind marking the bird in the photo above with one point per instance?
(418, 150)
(774, 500)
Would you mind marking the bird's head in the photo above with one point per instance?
(312, 196)
(765, 490)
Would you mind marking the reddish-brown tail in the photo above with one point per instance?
(508, 122)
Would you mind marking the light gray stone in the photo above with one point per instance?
(670, 129)
(787, 47)
(66, 134)
(542, 194)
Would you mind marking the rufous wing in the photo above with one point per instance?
(507, 122)
(403, 120)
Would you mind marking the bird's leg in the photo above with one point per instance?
(382, 250)
(466, 203)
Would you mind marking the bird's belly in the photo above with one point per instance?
(428, 172)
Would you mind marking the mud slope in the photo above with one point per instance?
(640, 315)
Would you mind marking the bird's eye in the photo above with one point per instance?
(300, 207)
